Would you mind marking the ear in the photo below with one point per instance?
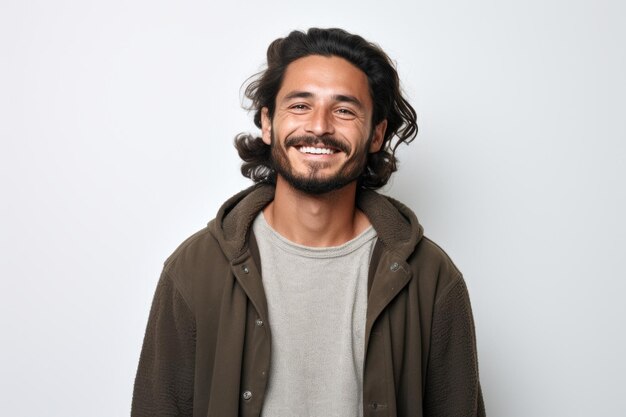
(266, 126)
(379, 135)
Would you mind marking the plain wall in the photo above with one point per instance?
(116, 127)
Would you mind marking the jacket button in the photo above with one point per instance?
(246, 395)
(259, 322)
(245, 269)
(394, 266)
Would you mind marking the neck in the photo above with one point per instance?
(329, 219)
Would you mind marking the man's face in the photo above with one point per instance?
(322, 129)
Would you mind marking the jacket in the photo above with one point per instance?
(207, 346)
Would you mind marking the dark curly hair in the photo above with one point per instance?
(384, 86)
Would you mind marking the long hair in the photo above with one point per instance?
(384, 85)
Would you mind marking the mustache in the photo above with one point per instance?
(327, 141)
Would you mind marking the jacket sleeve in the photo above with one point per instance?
(165, 376)
(452, 383)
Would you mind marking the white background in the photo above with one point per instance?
(116, 127)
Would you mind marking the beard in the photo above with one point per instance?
(313, 182)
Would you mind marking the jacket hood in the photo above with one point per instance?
(396, 225)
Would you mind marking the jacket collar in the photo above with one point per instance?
(396, 225)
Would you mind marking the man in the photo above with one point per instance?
(310, 294)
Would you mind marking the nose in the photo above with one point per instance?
(320, 122)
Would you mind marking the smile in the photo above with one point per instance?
(316, 151)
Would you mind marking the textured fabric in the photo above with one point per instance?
(202, 337)
(169, 383)
(317, 299)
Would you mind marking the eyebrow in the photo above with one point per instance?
(336, 97)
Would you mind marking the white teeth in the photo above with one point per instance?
(319, 151)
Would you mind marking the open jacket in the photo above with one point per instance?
(207, 347)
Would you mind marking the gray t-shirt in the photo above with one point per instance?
(317, 302)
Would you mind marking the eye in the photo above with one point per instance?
(298, 107)
(345, 113)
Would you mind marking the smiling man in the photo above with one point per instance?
(310, 294)
(324, 116)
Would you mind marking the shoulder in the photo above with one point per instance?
(192, 249)
(429, 253)
(433, 268)
(196, 263)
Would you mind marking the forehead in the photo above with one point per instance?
(325, 76)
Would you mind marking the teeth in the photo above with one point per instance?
(318, 151)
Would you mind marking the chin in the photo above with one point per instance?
(316, 185)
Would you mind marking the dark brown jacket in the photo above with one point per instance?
(207, 347)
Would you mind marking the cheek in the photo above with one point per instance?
(362, 138)
(294, 124)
